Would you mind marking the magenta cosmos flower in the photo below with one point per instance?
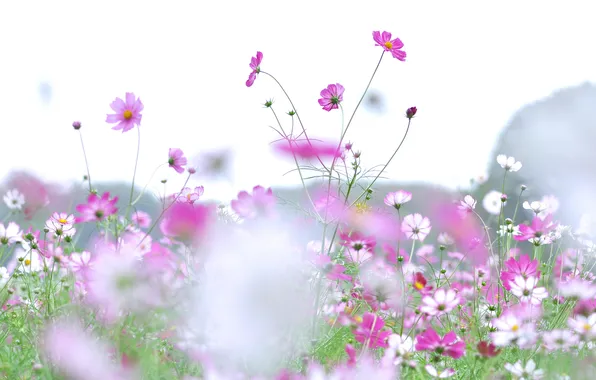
(308, 149)
(176, 160)
(96, 209)
(128, 113)
(369, 331)
(449, 345)
(255, 65)
(392, 46)
(332, 96)
(186, 222)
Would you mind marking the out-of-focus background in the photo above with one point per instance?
(470, 66)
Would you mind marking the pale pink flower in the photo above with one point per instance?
(416, 227)
(128, 114)
(578, 288)
(441, 302)
(584, 326)
(96, 209)
(398, 198)
(176, 160)
(527, 372)
(559, 340)
(448, 372)
(77, 354)
(81, 262)
(261, 202)
(141, 218)
(511, 328)
(527, 291)
(508, 163)
(331, 97)
(14, 199)
(466, 206)
(61, 224)
(391, 45)
(359, 247)
(190, 195)
(255, 65)
(10, 234)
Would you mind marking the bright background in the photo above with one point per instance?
(470, 66)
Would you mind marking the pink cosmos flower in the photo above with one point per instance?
(141, 218)
(512, 327)
(332, 271)
(526, 290)
(537, 232)
(96, 209)
(185, 222)
(559, 339)
(255, 65)
(449, 345)
(128, 114)
(584, 326)
(444, 374)
(80, 262)
(397, 198)
(393, 46)
(176, 160)
(189, 195)
(359, 247)
(416, 227)
(61, 224)
(522, 267)
(331, 97)
(369, 331)
(440, 303)
(261, 202)
(77, 354)
(307, 149)
(10, 234)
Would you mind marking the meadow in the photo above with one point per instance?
(334, 286)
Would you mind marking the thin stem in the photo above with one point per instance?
(86, 162)
(134, 174)
(385, 166)
(296, 111)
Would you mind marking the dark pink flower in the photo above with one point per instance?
(537, 232)
(255, 65)
(128, 114)
(332, 96)
(186, 222)
(351, 351)
(523, 267)
(96, 209)
(369, 331)
(393, 46)
(176, 160)
(487, 349)
(261, 202)
(449, 345)
(307, 149)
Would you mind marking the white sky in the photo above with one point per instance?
(469, 67)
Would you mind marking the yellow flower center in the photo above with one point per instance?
(587, 327)
(362, 208)
(62, 221)
(127, 114)
(388, 45)
(418, 285)
(514, 328)
(358, 319)
(27, 262)
(188, 197)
